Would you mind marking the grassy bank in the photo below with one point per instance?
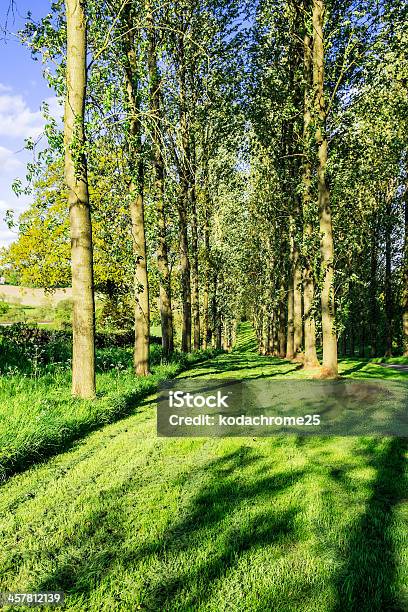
(38, 416)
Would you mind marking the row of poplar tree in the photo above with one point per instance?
(225, 160)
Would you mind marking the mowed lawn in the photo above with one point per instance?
(128, 521)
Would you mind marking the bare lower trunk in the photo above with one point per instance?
(206, 292)
(297, 305)
(282, 323)
(330, 365)
(185, 276)
(166, 315)
(290, 346)
(83, 318)
(310, 356)
(373, 292)
(136, 199)
(142, 313)
(405, 279)
(195, 299)
(388, 286)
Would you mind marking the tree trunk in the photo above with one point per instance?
(206, 330)
(282, 323)
(136, 198)
(373, 326)
(330, 365)
(142, 311)
(405, 279)
(297, 303)
(184, 198)
(166, 315)
(195, 299)
(310, 355)
(185, 273)
(388, 284)
(290, 330)
(83, 318)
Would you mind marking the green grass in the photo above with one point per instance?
(38, 416)
(127, 521)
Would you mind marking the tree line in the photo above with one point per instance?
(224, 160)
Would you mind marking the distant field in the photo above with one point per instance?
(33, 297)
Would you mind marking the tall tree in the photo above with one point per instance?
(157, 132)
(330, 365)
(83, 317)
(136, 196)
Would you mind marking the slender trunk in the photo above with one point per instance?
(136, 198)
(206, 330)
(184, 198)
(297, 303)
(290, 330)
(373, 326)
(142, 312)
(405, 279)
(185, 273)
(388, 285)
(362, 341)
(282, 323)
(310, 355)
(352, 341)
(83, 319)
(195, 299)
(344, 344)
(214, 311)
(330, 365)
(166, 314)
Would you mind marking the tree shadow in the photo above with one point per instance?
(367, 581)
(211, 515)
(355, 368)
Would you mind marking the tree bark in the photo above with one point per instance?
(282, 323)
(290, 346)
(184, 271)
(405, 278)
(330, 364)
(76, 178)
(373, 325)
(388, 284)
(206, 329)
(184, 198)
(195, 298)
(136, 198)
(297, 302)
(166, 315)
(310, 355)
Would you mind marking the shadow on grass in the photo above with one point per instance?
(368, 577)
(197, 549)
(229, 514)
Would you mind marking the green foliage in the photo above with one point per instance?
(4, 307)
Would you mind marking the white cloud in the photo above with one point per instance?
(8, 161)
(18, 120)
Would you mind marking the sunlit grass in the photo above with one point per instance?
(127, 521)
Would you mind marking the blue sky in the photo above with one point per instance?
(22, 91)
